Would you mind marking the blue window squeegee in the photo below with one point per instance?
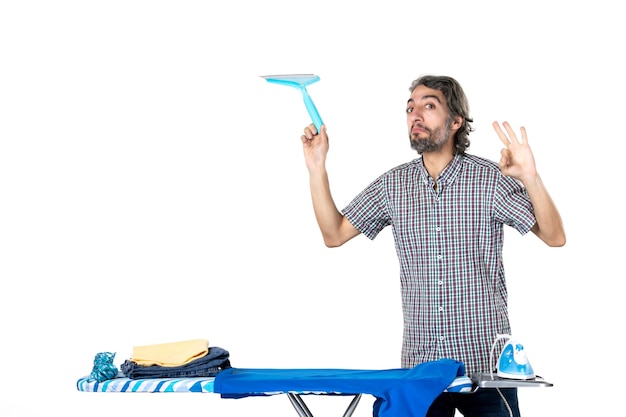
(300, 81)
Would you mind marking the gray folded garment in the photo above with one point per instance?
(215, 361)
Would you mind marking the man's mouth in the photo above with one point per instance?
(417, 128)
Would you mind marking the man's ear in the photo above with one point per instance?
(457, 123)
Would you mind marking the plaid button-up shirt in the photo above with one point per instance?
(449, 243)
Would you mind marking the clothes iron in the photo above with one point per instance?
(513, 362)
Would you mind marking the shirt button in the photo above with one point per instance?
(441, 338)
(440, 308)
(439, 257)
(440, 282)
(438, 229)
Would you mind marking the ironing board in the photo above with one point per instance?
(390, 387)
(393, 388)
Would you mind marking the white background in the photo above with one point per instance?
(153, 189)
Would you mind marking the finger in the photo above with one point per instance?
(313, 129)
(524, 135)
(501, 134)
(510, 131)
(504, 158)
(504, 162)
(310, 131)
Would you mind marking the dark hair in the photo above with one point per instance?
(455, 100)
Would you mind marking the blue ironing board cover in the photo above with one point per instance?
(124, 384)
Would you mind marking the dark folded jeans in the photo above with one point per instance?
(216, 360)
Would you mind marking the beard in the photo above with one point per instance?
(434, 141)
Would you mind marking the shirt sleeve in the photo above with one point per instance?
(512, 205)
(368, 211)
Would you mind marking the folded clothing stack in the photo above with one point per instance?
(184, 359)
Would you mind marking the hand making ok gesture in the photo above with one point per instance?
(517, 159)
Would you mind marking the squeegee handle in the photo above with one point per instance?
(310, 106)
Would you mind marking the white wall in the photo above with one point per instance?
(152, 187)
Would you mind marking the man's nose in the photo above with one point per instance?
(416, 114)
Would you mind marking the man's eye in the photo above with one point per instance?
(409, 110)
(430, 106)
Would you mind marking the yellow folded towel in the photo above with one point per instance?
(170, 354)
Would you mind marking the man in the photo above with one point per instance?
(447, 210)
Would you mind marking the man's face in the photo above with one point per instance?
(428, 120)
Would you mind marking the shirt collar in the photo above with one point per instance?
(447, 176)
